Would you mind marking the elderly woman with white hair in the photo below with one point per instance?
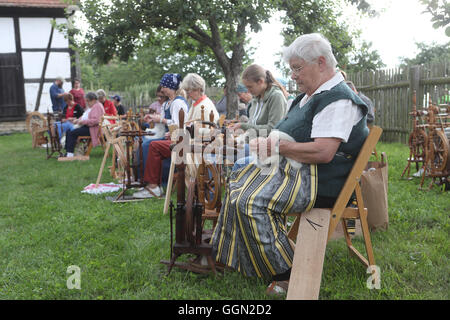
(194, 86)
(317, 143)
(108, 105)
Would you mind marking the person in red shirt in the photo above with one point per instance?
(108, 105)
(78, 93)
(71, 111)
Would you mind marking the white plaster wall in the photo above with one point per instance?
(32, 64)
(59, 39)
(8, 42)
(35, 33)
(58, 65)
(31, 90)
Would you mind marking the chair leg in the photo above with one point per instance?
(293, 231)
(88, 151)
(346, 235)
(367, 240)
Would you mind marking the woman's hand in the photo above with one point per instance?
(156, 118)
(263, 147)
(147, 118)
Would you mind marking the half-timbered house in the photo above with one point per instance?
(33, 53)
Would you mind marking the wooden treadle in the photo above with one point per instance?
(306, 274)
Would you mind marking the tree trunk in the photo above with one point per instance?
(232, 97)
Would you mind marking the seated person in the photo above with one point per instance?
(108, 106)
(326, 126)
(289, 97)
(71, 111)
(244, 102)
(368, 102)
(195, 87)
(167, 107)
(221, 105)
(266, 109)
(160, 100)
(119, 107)
(89, 123)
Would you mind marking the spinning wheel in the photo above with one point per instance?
(437, 154)
(37, 125)
(53, 145)
(35, 119)
(439, 151)
(417, 141)
(417, 144)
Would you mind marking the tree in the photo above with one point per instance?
(428, 53)
(440, 12)
(219, 27)
(364, 58)
(322, 16)
(198, 26)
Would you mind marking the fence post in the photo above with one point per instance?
(414, 82)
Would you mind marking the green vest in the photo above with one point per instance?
(298, 124)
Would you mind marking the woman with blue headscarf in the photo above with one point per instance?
(170, 87)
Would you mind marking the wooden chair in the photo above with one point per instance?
(88, 143)
(87, 140)
(313, 229)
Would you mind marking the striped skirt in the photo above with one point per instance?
(250, 235)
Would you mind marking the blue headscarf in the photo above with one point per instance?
(171, 81)
(241, 88)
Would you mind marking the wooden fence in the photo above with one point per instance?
(391, 92)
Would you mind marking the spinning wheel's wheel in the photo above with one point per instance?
(439, 151)
(35, 119)
(417, 144)
(211, 186)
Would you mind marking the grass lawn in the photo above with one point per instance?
(47, 225)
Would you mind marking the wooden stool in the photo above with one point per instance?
(313, 229)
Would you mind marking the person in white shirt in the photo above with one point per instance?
(317, 145)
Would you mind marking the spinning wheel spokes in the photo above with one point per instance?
(34, 119)
(439, 151)
(212, 187)
(417, 144)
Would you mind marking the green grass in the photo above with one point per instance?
(47, 225)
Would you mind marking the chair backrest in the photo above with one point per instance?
(354, 177)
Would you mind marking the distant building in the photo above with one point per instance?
(29, 62)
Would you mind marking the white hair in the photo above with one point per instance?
(310, 47)
(193, 81)
(101, 93)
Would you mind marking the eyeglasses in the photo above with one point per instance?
(296, 71)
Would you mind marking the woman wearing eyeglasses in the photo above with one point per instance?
(311, 152)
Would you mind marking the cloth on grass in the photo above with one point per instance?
(102, 188)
